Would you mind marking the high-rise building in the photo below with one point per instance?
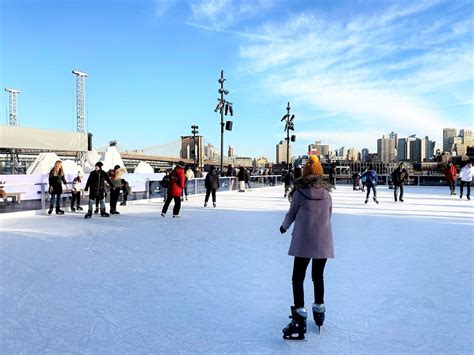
(352, 154)
(386, 148)
(281, 152)
(403, 151)
(318, 149)
(430, 148)
(417, 150)
(448, 134)
(364, 155)
(231, 152)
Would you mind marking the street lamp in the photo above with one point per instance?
(289, 125)
(194, 131)
(224, 107)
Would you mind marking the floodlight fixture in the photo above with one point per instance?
(79, 73)
(13, 91)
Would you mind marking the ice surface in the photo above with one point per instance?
(219, 280)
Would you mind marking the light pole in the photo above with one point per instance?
(194, 131)
(289, 125)
(224, 107)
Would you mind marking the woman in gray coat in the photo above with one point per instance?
(311, 209)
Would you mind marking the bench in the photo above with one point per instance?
(16, 196)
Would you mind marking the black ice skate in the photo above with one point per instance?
(318, 314)
(50, 210)
(297, 328)
(79, 208)
(88, 215)
(59, 211)
(96, 211)
(103, 213)
(214, 204)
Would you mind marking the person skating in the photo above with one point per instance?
(451, 175)
(399, 178)
(465, 175)
(76, 193)
(164, 184)
(241, 176)
(332, 174)
(247, 179)
(211, 182)
(96, 183)
(115, 176)
(310, 210)
(175, 190)
(288, 180)
(189, 175)
(126, 190)
(371, 183)
(56, 179)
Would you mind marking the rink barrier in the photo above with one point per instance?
(197, 186)
(35, 196)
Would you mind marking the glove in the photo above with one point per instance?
(282, 230)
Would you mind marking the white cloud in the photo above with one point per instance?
(162, 6)
(379, 70)
(222, 14)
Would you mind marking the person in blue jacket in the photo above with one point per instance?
(371, 183)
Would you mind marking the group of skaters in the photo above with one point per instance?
(175, 181)
(465, 176)
(367, 180)
(96, 183)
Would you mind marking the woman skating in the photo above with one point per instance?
(56, 179)
(311, 209)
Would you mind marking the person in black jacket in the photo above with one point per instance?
(399, 178)
(126, 189)
(96, 182)
(211, 182)
(289, 177)
(56, 179)
(165, 183)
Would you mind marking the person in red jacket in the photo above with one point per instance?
(451, 175)
(175, 189)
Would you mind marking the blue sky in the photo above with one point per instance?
(352, 70)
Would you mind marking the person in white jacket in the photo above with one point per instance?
(466, 177)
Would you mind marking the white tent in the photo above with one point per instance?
(43, 164)
(110, 158)
(144, 168)
(71, 168)
(92, 157)
(45, 161)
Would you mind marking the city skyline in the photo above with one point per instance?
(351, 71)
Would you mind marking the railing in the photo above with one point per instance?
(197, 186)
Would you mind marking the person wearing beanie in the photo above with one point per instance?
(96, 182)
(312, 240)
(211, 182)
(371, 182)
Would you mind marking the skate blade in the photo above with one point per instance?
(297, 338)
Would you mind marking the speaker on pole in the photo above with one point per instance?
(293, 138)
(89, 141)
(228, 126)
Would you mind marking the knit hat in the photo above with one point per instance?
(99, 164)
(313, 167)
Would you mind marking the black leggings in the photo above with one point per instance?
(208, 192)
(177, 204)
(299, 271)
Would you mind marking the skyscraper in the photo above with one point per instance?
(364, 155)
(281, 152)
(386, 148)
(231, 152)
(448, 135)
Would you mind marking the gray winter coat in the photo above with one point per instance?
(311, 210)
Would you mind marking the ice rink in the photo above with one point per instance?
(219, 280)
